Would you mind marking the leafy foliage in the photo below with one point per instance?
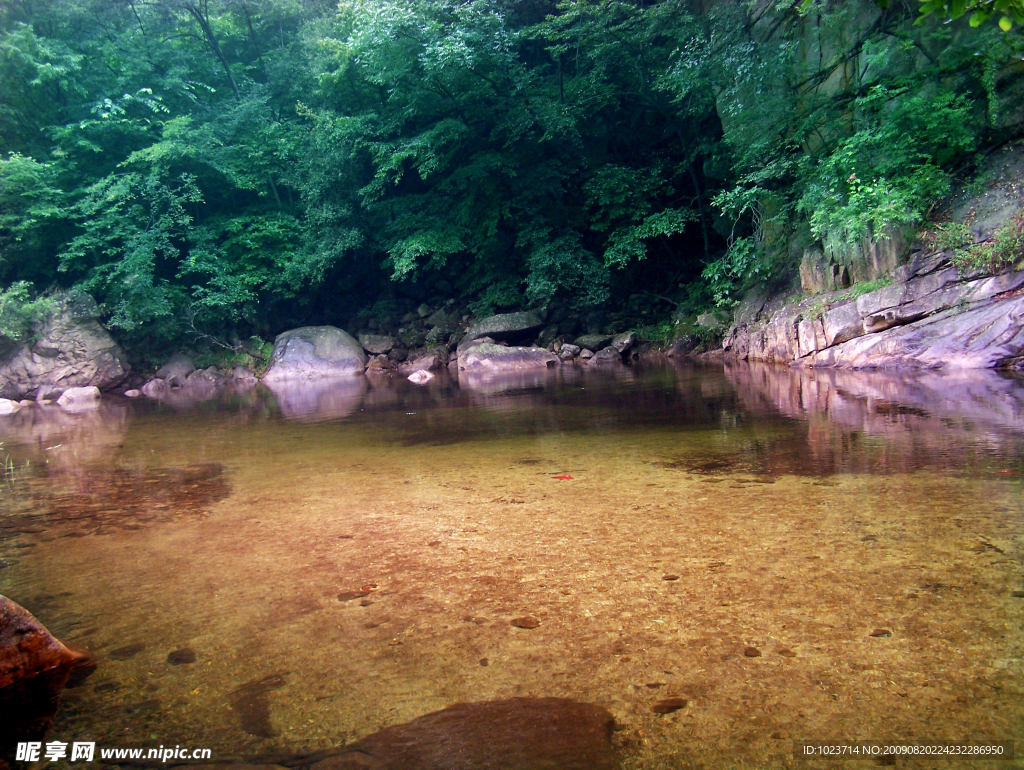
(234, 167)
(20, 311)
(892, 167)
(1003, 250)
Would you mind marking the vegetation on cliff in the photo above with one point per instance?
(238, 167)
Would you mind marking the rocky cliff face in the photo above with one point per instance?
(931, 316)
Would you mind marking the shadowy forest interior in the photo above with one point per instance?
(228, 169)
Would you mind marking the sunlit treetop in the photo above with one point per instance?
(1008, 12)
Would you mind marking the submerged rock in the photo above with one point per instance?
(314, 352)
(513, 734)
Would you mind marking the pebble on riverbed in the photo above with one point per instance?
(347, 596)
(668, 705)
(127, 652)
(752, 652)
(527, 621)
(181, 657)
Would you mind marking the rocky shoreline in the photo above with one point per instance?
(932, 316)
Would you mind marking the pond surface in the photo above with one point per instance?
(799, 556)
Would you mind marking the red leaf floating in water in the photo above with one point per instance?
(563, 478)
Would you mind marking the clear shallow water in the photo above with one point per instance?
(342, 559)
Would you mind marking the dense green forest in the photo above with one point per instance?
(239, 167)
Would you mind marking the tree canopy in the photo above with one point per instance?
(238, 166)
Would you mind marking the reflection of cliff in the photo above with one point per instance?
(62, 440)
(891, 422)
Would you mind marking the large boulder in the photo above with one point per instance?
(508, 327)
(485, 355)
(513, 734)
(68, 349)
(313, 352)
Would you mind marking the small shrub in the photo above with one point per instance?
(660, 334)
(743, 265)
(952, 235)
(1003, 250)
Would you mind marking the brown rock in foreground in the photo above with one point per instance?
(27, 649)
(514, 734)
(34, 669)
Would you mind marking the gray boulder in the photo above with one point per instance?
(77, 399)
(608, 355)
(177, 369)
(243, 376)
(623, 342)
(376, 343)
(313, 352)
(593, 342)
(155, 388)
(505, 326)
(681, 346)
(484, 355)
(8, 407)
(424, 363)
(568, 351)
(69, 349)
